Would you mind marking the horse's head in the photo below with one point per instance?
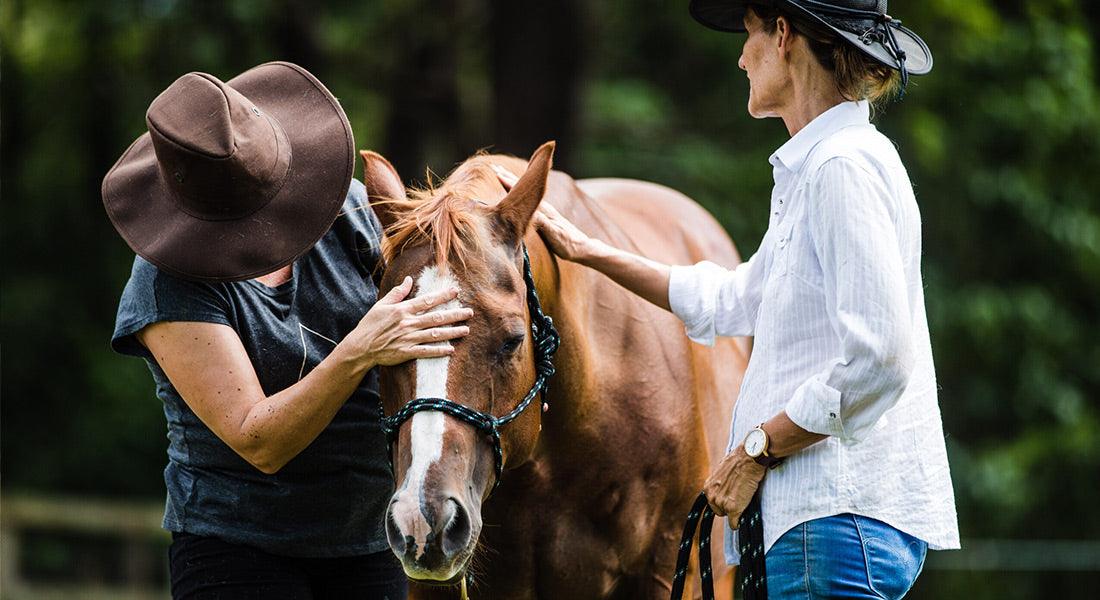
(467, 233)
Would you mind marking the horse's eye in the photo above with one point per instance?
(511, 345)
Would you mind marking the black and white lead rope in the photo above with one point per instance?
(750, 534)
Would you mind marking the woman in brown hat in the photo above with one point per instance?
(252, 301)
(839, 398)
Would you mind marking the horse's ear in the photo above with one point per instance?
(517, 208)
(383, 186)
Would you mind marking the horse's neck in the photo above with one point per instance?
(547, 269)
(566, 291)
(586, 213)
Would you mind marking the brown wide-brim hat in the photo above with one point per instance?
(234, 179)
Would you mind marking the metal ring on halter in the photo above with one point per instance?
(546, 340)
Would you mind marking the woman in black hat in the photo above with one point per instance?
(252, 301)
(836, 462)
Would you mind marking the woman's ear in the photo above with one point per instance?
(784, 34)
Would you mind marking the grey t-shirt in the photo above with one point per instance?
(330, 499)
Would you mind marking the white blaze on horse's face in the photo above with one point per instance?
(427, 426)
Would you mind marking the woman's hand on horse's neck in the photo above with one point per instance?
(644, 277)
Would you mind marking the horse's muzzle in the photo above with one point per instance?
(433, 537)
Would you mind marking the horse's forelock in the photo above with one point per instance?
(446, 217)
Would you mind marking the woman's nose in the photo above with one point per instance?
(741, 62)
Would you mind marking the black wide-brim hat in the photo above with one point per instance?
(861, 23)
(234, 179)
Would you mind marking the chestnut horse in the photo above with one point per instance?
(595, 490)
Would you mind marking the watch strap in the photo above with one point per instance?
(769, 461)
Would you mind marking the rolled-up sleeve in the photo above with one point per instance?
(856, 243)
(713, 301)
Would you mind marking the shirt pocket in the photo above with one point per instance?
(802, 264)
(781, 248)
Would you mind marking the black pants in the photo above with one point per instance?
(206, 568)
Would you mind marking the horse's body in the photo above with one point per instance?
(637, 413)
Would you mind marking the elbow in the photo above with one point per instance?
(891, 361)
(267, 467)
(897, 366)
(262, 456)
(892, 371)
(894, 375)
(265, 463)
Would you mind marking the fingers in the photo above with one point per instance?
(506, 177)
(398, 293)
(713, 493)
(548, 217)
(439, 318)
(429, 351)
(548, 209)
(437, 334)
(718, 503)
(430, 301)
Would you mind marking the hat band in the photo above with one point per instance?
(880, 31)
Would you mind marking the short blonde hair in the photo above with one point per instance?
(858, 76)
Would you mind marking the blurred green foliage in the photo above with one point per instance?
(1002, 141)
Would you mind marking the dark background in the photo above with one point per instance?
(1002, 142)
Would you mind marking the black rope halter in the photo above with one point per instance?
(546, 340)
(882, 31)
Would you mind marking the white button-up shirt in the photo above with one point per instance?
(835, 301)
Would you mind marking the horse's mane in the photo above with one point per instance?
(445, 217)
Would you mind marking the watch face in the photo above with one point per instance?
(754, 443)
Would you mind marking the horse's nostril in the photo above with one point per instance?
(394, 535)
(456, 533)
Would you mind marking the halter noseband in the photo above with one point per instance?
(546, 340)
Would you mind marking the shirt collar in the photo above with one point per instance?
(792, 154)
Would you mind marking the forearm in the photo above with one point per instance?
(640, 275)
(786, 438)
(278, 427)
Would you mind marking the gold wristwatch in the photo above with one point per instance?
(756, 446)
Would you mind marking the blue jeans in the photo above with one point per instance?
(844, 556)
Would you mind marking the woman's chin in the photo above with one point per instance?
(759, 110)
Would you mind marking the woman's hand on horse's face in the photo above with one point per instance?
(396, 330)
(732, 485)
